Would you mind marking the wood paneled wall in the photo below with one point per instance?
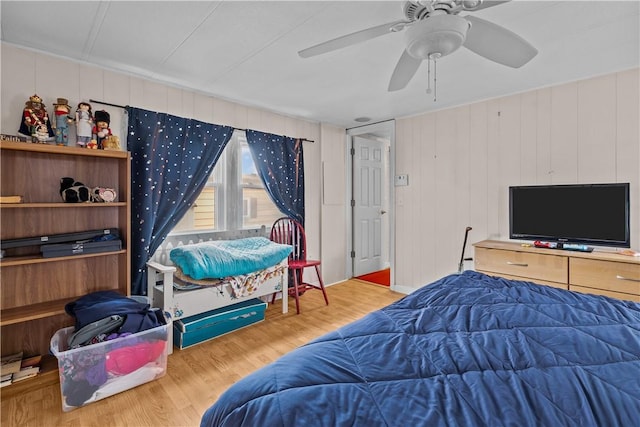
(461, 162)
(25, 72)
(334, 193)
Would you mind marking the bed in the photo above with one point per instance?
(204, 276)
(466, 350)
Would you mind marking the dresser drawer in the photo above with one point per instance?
(558, 285)
(608, 275)
(552, 268)
(611, 294)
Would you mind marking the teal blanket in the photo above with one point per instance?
(224, 258)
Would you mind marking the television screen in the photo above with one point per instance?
(596, 214)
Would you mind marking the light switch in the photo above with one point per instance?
(402, 180)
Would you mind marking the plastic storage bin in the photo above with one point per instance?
(93, 372)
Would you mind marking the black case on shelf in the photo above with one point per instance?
(58, 238)
(79, 248)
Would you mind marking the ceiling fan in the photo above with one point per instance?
(434, 29)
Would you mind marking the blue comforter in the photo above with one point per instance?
(224, 258)
(467, 350)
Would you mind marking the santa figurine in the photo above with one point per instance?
(35, 120)
(100, 129)
(61, 110)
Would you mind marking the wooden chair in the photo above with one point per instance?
(290, 232)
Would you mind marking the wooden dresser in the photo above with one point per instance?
(601, 273)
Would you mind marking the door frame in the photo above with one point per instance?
(383, 129)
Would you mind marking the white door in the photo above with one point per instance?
(369, 205)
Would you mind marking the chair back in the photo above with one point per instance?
(290, 232)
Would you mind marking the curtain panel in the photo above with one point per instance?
(171, 160)
(280, 164)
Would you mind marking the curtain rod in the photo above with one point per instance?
(301, 139)
(125, 107)
(108, 103)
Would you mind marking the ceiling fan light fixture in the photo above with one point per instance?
(441, 34)
(471, 4)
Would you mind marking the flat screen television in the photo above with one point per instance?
(590, 214)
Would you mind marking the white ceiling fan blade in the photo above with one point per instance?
(487, 3)
(353, 38)
(497, 43)
(405, 70)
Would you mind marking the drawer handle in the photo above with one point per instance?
(518, 264)
(626, 278)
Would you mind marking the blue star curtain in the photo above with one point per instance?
(280, 164)
(171, 160)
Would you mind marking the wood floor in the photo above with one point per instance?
(198, 375)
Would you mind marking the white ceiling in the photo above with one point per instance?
(246, 51)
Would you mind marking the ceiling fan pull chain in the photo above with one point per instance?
(428, 76)
(435, 80)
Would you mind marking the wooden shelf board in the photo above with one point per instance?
(11, 261)
(54, 149)
(62, 205)
(26, 313)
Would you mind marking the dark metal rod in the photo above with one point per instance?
(301, 139)
(108, 103)
(125, 106)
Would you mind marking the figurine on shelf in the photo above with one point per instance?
(101, 129)
(103, 194)
(84, 124)
(61, 124)
(35, 120)
(42, 134)
(73, 191)
(112, 142)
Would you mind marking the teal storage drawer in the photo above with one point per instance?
(211, 324)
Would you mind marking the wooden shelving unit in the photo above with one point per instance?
(35, 290)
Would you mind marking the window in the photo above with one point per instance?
(249, 207)
(234, 196)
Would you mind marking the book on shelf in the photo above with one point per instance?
(10, 363)
(16, 138)
(6, 380)
(10, 199)
(15, 368)
(25, 373)
(32, 361)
